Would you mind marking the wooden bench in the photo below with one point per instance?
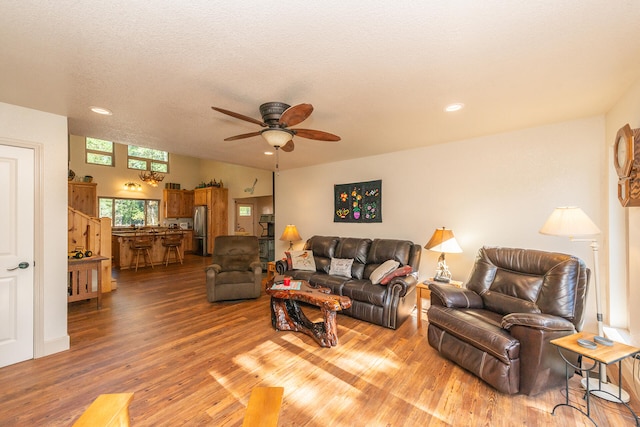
(108, 410)
(263, 408)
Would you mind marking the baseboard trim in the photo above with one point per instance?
(56, 345)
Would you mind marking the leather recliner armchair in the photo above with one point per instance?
(499, 326)
(236, 272)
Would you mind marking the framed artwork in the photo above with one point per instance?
(358, 202)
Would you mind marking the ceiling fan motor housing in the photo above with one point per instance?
(272, 111)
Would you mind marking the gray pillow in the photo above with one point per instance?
(383, 269)
(341, 267)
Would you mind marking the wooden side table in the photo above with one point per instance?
(601, 355)
(271, 272)
(422, 291)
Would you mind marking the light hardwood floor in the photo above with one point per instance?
(190, 362)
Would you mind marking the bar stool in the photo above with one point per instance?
(172, 242)
(141, 243)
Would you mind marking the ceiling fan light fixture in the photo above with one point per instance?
(277, 137)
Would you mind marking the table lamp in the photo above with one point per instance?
(573, 223)
(443, 241)
(291, 234)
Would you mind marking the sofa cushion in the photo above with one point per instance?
(303, 260)
(364, 290)
(356, 249)
(334, 283)
(382, 270)
(384, 249)
(341, 267)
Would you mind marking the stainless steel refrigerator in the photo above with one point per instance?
(200, 230)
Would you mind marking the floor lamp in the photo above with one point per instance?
(573, 223)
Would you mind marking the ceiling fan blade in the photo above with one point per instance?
(296, 114)
(243, 136)
(288, 147)
(240, 116)
(316, 134)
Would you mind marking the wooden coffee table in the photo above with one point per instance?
(286, 314)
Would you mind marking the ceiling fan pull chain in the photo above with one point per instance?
(277, 161)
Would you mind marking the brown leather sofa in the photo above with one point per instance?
(386, 305)
(499, 325)
(236, 272)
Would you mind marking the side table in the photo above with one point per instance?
(602, 354)
(271, 273)
(422, 291)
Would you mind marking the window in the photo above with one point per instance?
(99, 152)
(147, 159)
(128, 212)
(244, 210)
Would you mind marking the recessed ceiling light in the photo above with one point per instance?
(454, 107)
(100, 110)
(268, 153)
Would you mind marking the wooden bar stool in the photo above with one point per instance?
(172, 242)
(141, 243)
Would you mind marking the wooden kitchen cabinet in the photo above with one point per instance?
(187, 241)
(83, 197)
(200, 197)
(178, 203)
(217, 200)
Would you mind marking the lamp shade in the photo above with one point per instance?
(290, 234)
(569, 222)
(443, 240)
(277, 137)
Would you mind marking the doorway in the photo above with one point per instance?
(245, 217)
(17, 167)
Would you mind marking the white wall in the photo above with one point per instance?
(624, 227)
(495, 190)
(49, 132)
(236, 179)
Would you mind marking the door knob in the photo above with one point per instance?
(21, 266)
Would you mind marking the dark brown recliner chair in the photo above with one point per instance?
(236, 272)
(499, 326)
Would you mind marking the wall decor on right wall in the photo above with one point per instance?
(626, 160)
(358, 202)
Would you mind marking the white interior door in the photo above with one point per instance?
(244, 218)
(16, 254)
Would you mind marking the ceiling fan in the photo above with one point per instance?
(277, 117)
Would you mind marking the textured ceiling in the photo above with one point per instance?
(378, 73)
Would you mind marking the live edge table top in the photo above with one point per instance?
(318, 296)
(286, 314)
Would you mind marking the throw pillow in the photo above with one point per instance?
(382, 270)
(402, 271)
(341, 267)
(303, 260)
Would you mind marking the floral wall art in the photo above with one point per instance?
(358, 202)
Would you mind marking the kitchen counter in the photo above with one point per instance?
(121, 245)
